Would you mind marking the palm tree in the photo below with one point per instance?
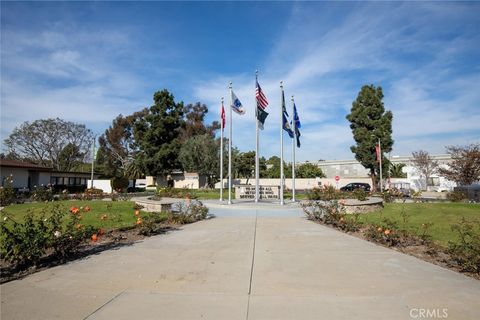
(396, 170)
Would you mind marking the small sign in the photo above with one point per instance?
(337, 178)
(265, 192)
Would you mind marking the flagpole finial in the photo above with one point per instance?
(292, 97)
(222, 99)
(230, 85)
(281, 84)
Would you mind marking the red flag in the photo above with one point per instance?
(377, 149)
(223, 117)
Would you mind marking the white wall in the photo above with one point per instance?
(103, 184)
(300, 184)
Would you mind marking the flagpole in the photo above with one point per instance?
(380, 162)
(221, 152)
(230, 149)
(281, 145)
(257, 162)
(293, 149)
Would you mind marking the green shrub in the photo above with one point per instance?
(164, 192)
(27, 242)
(360, 194)
(326, 193)
(42, 193)
(331, 213)
(7, 192)
(385, 235)
(456, 196)
(24, 243)
(466, 253)
(189, 213)
(119, 184)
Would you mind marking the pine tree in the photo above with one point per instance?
(370, 122)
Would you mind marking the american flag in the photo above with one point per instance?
(261, 99)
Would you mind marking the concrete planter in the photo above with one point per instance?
(356, 206)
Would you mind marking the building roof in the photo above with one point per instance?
(23, 165)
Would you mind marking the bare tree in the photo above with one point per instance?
(425, 165)
(465, 167)
(43, 141)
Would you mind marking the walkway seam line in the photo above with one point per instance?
(253, 262)
(103, 305)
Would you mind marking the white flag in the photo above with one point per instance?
(237, 105)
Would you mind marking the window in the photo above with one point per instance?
(433, 182)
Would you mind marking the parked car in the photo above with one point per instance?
(356, 185)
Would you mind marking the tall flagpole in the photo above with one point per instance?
(293, 149)
(380, 163)
(281, 145)
(221, 152)
(257, 162)
(230, 149)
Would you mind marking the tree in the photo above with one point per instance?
(396, 170)
(157, 135)
(370, 122)
(69, 158)
(43, 141)
(424, 164)
(465, 166)
(245, 164)
(200, 154)
(195, 122)
(118, 148)
(308, 170)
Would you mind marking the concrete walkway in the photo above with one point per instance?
(247, 263)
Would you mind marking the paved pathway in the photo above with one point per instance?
(301, 270)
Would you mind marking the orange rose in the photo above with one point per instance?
(74, 210)
(137, 212)
(387, 232)
(379, 229)
(94, 237)
(139, 221)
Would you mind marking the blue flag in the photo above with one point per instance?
(298, 125)
(286, 126)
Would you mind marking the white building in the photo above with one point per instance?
(352, 169)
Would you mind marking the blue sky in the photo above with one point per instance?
(90, 61)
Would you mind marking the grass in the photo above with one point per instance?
(119, 214)
(442, 215)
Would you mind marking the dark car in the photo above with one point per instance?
(356, 185)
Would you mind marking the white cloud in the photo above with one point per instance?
(434, 103)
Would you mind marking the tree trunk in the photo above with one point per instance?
(374, 184)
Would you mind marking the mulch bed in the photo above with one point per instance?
(110, 240)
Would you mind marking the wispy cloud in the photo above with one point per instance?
(424, 55)
(395, 46)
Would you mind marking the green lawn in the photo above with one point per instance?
(117, 214)
(442, 215)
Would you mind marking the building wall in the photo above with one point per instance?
(188, 180)
(20, 176)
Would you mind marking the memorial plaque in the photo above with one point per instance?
(248, 192)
